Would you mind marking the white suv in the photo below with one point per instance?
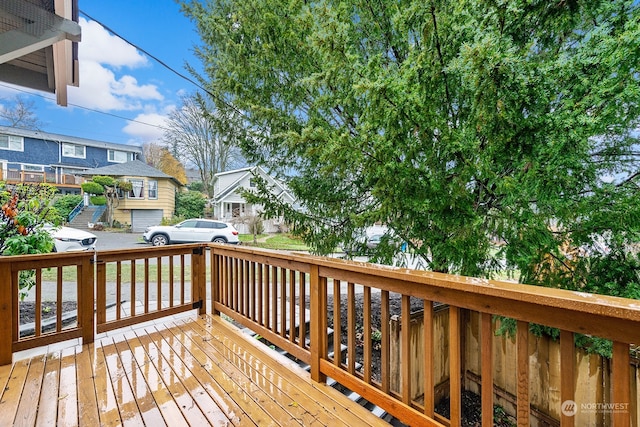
(192, 231)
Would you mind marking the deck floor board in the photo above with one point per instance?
(200, 371)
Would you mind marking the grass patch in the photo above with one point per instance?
(248, 238)
(279, 241)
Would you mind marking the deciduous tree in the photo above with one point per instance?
(205, 135)
(20, 113)
(457, 124)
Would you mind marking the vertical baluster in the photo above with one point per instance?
(367, 334)
(38, 309)
(292, 306)
(385, 351)
(454, 366)
(247, 289)
(303, 306)
(133, 288)
(337, 323)
(254, 300)
(522, 348)
(159, 283)
(265, 297)
(486, 353)
(171, 281)
(146, 285)
(283, 302)
(274, 299)
(405, 364)
(118, 288)
(429, 381)
(59, 300)
(101, 290)
(182, 279)
(351, 325)
(260, 294)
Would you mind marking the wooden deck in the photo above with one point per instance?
(197, 372)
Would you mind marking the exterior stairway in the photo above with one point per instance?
(89, 214)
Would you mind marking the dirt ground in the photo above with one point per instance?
(49, 310)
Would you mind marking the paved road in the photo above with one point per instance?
(108, 240)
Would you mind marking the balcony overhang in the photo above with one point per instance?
(39, 45)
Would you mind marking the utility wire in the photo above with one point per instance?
(155, 58)
(168, 67)
(83, 107)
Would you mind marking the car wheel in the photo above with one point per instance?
(219, 240)
(159, 240)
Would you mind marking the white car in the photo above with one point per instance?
(192, 231)
(71, 239)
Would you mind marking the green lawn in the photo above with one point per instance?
(282, 241)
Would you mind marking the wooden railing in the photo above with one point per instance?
(267, 291)
(291, 300)
(144, 284)
(16, 176)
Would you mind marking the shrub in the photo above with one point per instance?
(190, 204)
(98, 200)
(65, 204)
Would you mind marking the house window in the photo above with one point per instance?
(137, 189)
(33, 168)
(11, 142)
(73, 150)
(252, 183)
(116, 156)
(153, 189)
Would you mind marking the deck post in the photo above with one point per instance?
(215, 284)
(317, 320)
(86, 297)
(6, 314)
(199, 279)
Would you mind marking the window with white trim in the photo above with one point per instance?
(11, 142)
(117, 156)
(73, 150)
(153, 189)
(33, 168)
(137, 189)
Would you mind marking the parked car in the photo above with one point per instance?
(71, 239)
(192, 231)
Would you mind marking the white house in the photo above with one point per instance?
(229, 205)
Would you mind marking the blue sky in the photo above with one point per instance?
(116, 79)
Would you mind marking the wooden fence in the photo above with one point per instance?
(592, 373)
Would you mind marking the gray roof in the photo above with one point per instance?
(133, 168)
(36, 134)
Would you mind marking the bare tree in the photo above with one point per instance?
(152, 153)
(205, 136)
(19, 113)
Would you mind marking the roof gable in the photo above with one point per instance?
(133, 168)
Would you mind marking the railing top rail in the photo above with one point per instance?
(147, 252)
(525, 302)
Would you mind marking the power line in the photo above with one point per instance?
(168, 67)
(93, 110)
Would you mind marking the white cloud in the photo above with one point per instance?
(98, 45)
(103, 85)
(141, 130)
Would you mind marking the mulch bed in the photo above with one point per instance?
(48, 309)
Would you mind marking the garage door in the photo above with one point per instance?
(143, 218)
